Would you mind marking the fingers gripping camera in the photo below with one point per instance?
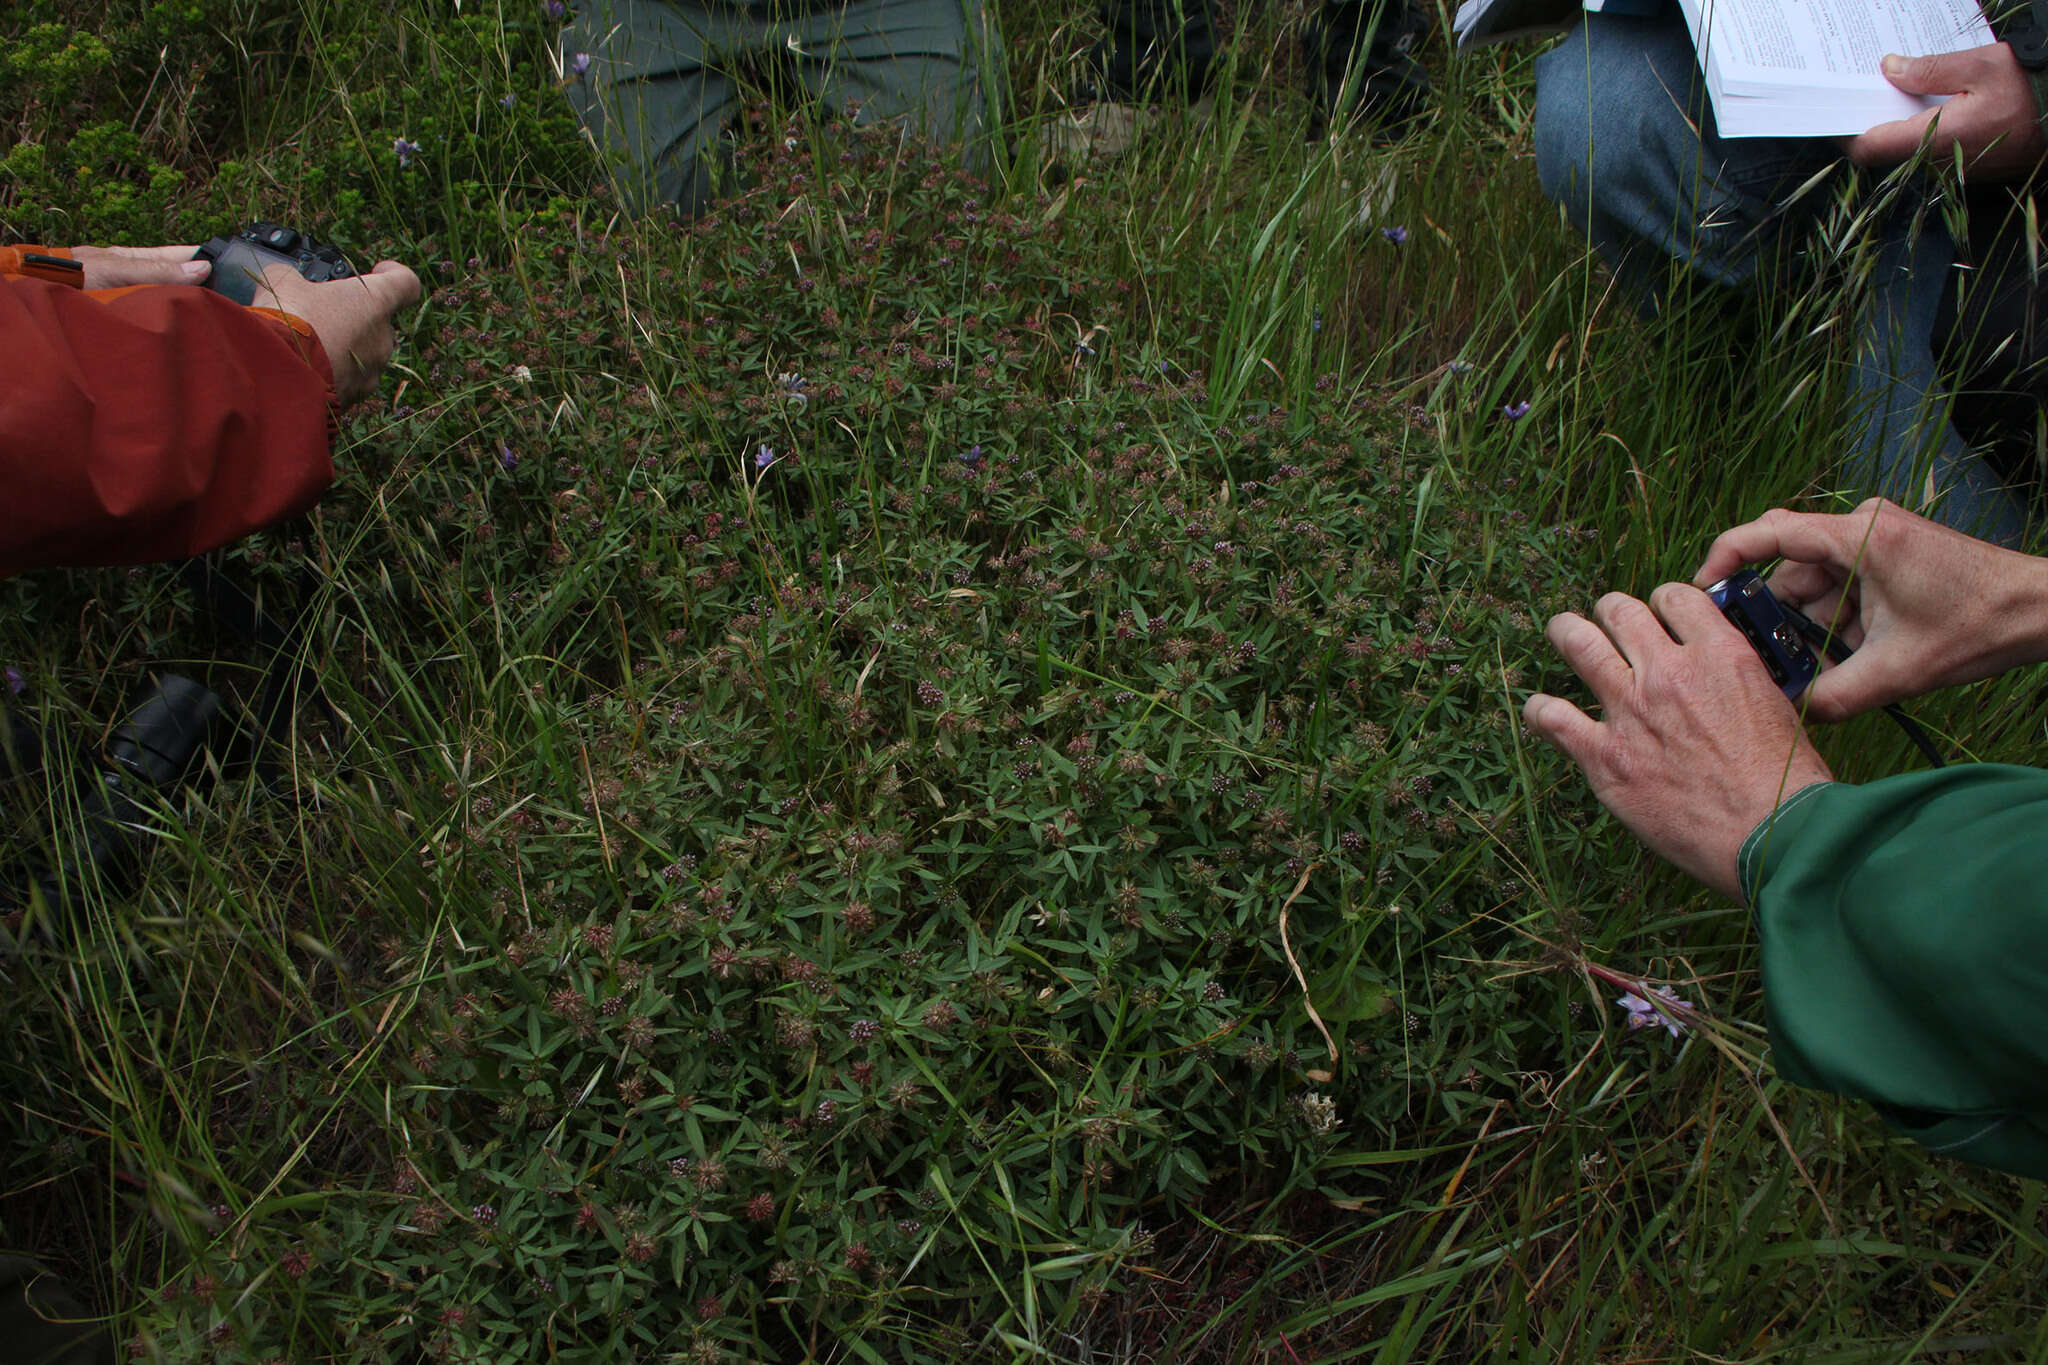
(239, 261)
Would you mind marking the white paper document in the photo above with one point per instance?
(1809, 68)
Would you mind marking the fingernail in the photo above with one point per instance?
(1893, 64)
(195, 271)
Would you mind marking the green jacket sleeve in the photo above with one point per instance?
(1904, 928)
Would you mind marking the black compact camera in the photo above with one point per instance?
(239, 261)
(1772, 629)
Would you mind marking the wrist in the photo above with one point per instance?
(1769, 834)
(307, 342)
(1751, 803)
(2018, 620)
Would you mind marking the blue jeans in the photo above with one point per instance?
(1625, 141)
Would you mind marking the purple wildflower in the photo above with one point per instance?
(1515, 412)
(971, 456)
(507, 102)
(1642, 1013)
(1462, 367)
(405, 149)
(579, 64)
(17, 683)
(507, 460)
(1396, 235)
(764, 457)
(553, 9)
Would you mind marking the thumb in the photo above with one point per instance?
(1945, 73)
(1844, 690)
(393, 285)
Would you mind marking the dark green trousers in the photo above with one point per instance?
(663, 79)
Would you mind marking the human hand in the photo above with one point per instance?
(1992, 116)
(114, 267)
(352, 318)
(1695, 744)
(1923, 606)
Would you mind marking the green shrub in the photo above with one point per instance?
(887, 843)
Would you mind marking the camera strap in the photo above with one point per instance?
(286, 682)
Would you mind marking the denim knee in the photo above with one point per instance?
(1563, 127)
(1616, 110)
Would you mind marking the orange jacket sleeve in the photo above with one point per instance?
(150, 423)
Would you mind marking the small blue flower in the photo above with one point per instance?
(764, 457)
(579, 64)
(1396, 235)
(1315, 323)
(507, 460)
(971, 456)
(405, 149)
(1461, 367)
(16, 683)
(1515, 412)
(507, 102)
(553, 9)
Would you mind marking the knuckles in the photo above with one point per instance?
(1615, 607)
(1666, 596)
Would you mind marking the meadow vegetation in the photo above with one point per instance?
(927, 767)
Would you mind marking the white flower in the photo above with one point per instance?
(1320, 1113)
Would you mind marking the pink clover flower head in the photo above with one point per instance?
(1643, 1011)
(764, 457)
(1396, 235)
(1515, 412)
